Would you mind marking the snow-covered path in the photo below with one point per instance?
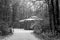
(21, 34)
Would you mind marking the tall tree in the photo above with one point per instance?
(5, 15)
(54, 14)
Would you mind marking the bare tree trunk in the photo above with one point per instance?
(51, 11)
(54, 14)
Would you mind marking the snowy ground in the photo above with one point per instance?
(20, 34)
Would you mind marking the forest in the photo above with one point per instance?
(11, 11)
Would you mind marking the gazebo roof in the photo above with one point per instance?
(31, 18)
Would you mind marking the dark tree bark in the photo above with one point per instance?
(51, 11)
(54, 14)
